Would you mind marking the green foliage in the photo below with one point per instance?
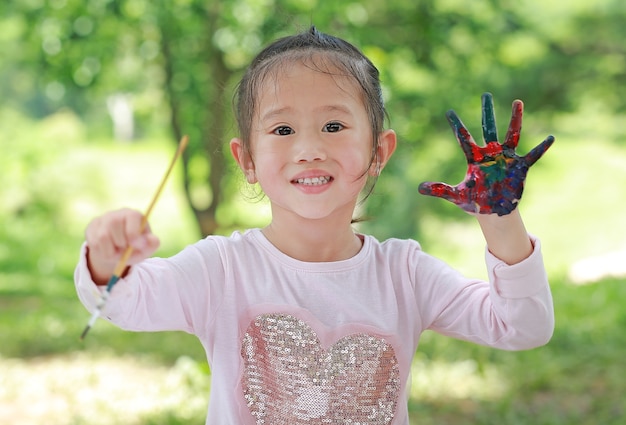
(179, 60)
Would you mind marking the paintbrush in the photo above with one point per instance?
(121, 264)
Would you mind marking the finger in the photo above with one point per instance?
(99, 239)
(490, 131)
(534, 155)
(145, 240)
(117, 233)
(121, 227)
(439, 190)
(515, 126)
(112, 232)
(463, 136)
(135, 228)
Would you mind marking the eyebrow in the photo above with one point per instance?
(327, 108)
(336, 108)
(273, 113)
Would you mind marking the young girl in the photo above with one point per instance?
(306, 320)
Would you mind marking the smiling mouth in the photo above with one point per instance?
(314, 181)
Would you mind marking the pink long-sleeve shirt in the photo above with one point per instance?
(292, 342)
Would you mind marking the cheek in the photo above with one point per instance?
(268, 164)
(358, 160)
(269, 158)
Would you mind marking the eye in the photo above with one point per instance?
(333, 127)
(283, 130)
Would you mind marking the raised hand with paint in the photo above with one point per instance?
(495, 173)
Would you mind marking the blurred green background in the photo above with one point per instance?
(95, 94)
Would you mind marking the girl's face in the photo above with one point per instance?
(310, 143)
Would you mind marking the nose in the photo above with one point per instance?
(309, 148)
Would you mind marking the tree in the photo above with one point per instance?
(197, 104)
(181, 59)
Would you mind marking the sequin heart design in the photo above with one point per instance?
(289, 378)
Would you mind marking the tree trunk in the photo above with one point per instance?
(213, 127)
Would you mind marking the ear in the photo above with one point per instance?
(244, 160)
(387, 142)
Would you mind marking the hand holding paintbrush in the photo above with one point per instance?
(119, 239)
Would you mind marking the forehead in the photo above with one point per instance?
(291, 76)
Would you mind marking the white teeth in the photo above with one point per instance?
(313, 181)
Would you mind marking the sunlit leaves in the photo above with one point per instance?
(135, 9)
(433, 55)
(83, 25)
(521, 50)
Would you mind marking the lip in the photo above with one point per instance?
(312, 181)
(311, 174)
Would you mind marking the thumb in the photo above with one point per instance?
(439, 190)
(144, 246)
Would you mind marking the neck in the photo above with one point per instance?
(314, 240)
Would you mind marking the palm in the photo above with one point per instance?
(495, 174)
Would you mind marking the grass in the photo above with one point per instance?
(576, 379)
(48, 376)
(80, 388)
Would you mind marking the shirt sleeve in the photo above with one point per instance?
(159, 294)
(513, 311)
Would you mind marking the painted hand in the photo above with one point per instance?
(495, 173)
